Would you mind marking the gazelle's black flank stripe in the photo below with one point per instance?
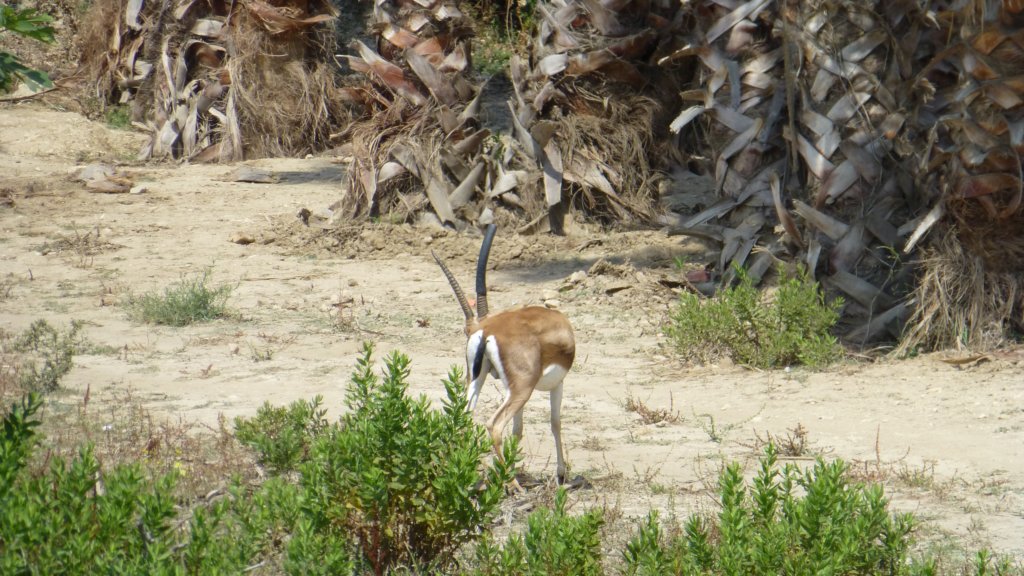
(478, 359)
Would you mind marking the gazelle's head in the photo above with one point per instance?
(481, 283)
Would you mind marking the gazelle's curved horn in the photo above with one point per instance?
(481, 272)
(459, 295)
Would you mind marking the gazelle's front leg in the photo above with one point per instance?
(473, 394)
(517, 424)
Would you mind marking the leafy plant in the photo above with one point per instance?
(787, 522)
(29, 23)
(793, 328)
(71, 519)
(190, 300)
(554, 543)
(47, 355)
(282, 437)
(402, 481)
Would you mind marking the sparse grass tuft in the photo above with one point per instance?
(37, 359)
(793, 328)
(119, 117)
(6, 287)
(650, 415)
(190, 300)
(794, 444)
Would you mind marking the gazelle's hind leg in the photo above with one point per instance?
(556, 431)
(511, 409)
(517, 424)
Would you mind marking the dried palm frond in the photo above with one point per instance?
(959, 301)
(805, 105)
(970, 172)
(216, 81)
(421, 143)
(587, 107)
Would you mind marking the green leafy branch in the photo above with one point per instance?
(30, 23)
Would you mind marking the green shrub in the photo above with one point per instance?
(29, 23)
(70, 518)
(392, 484)
(47, 355)
(787, 522)
(794, 328)
(282, 437)
(190, 300)
(554, 543)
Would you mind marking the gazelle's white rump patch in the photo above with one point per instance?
(495, 358)
(551, 377)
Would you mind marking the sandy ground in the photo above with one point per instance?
(947, 440)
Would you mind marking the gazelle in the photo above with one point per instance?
(529, 349)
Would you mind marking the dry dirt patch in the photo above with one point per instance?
(947, 439)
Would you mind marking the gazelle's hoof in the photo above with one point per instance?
(514, 487)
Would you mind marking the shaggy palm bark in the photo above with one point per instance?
(587, 109)
(216, 81)
(420, 144)
(971, 287)
(582, 123)
(816, 112)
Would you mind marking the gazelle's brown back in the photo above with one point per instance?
(545, 332)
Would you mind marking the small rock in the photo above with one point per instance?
(577, 277)
(549, 294)
(139, 189)
(233, 348)
(353, 282)
(617, 287)
(91, 172)
(486, 217)
(242, 238)
(108, 185)
(429, 220)
(553, 304)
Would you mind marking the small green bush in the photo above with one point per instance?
(794, 328)
(282, 436)
(190, 300)
(47, 355)
(787, 522)
(405, 482)
(554, 543)
(393, 483)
